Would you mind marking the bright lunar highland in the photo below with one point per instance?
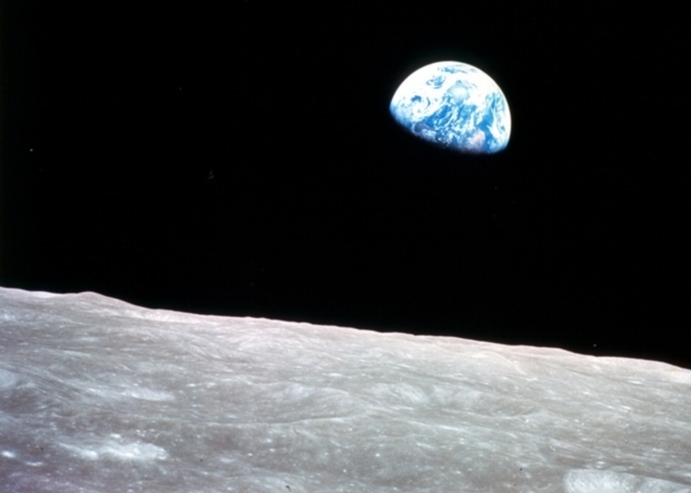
(100, 396)
(454, 105)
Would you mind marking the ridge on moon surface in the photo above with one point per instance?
(100, 395)
(454, 105)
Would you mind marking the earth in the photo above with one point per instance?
(454, 105)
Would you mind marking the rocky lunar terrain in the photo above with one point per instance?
(97, 395)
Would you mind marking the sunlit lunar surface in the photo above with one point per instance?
(97, 395)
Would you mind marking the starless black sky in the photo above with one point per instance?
(239, 158)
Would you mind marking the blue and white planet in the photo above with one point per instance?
(454, 105)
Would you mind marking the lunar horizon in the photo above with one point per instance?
(100, 395)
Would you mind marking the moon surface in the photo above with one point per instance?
(454, 105)
(97, 395)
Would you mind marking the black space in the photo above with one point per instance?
(239, 158)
